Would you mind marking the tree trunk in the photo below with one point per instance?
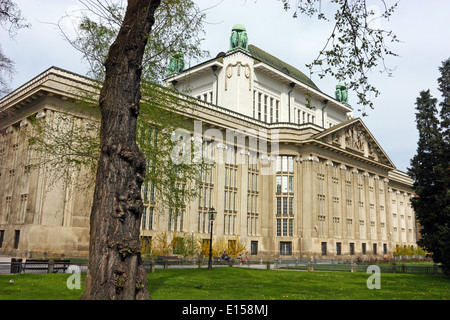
(115, 267)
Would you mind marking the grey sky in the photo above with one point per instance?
(422, 26)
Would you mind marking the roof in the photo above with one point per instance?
(276, 63)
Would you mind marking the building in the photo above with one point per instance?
(295, 174)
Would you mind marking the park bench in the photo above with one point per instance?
(60, 266)
(35, 265)
(53, 266)
(169, 258)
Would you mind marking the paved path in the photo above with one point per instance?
(8, 259)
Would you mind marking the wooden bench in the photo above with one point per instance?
(50, 266)
(169, 258)
(60, 265)
(166, 259)
(35, 265)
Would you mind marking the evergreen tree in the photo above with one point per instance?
(444, 87)
(444, 168)
(430, 171)
(424, 172)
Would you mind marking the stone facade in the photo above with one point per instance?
(295, 174)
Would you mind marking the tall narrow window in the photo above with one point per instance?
(321, 198)
(265, 108)
(259, 105)
(254, 103)
(252, 194)
(271, 110)
(335, 190)
(16, 239)
(277, 111)
(348, 203)
(361, 213)
(205, 190)
(285, 196)
(230, 191)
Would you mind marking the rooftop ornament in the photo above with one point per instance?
(239, 38)
(176, 64)
(341, 93)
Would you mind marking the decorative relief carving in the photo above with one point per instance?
(356, 139)
(247, 73)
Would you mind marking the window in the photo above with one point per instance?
(206, 97)
(176, 219)
(363, 248)
(144, 219)
(16, 239)
(23, 206)
(177, 245)
(205, 190)
(271, 110)
(254, 247)
(335, 195)
(146, 244)
(263, 107)
(321, 198)
(8, 206)
(338, 248)
(348, 202)
(277, 112)
(374, 248)
(230, 191)
(285, 196)
(252, 194)
(361, 206)
(384, 248)
(259, 105)
(286, 248)
(324, 248)
(352, 248)
(2, 235)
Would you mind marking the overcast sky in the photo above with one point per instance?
(422, 26)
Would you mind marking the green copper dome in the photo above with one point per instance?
(239, 27)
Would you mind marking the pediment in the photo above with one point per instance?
(353, 136)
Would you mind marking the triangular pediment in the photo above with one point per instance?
(352, 136)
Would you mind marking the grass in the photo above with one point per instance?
(244, 284)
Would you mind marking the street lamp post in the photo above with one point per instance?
(212, 216)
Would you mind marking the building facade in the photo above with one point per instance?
(294, 174)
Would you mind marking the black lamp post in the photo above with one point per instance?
(212, 216)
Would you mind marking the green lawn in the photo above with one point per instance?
(245, 284)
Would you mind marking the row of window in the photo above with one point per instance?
(265, 107)
(284, 214)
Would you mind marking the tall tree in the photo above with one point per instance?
(444, 167)
(444, 88)
(424, 172)
(115, 266)
(429, 171)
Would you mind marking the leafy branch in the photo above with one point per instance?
(356, 46)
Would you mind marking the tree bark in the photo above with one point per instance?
(115, 269)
